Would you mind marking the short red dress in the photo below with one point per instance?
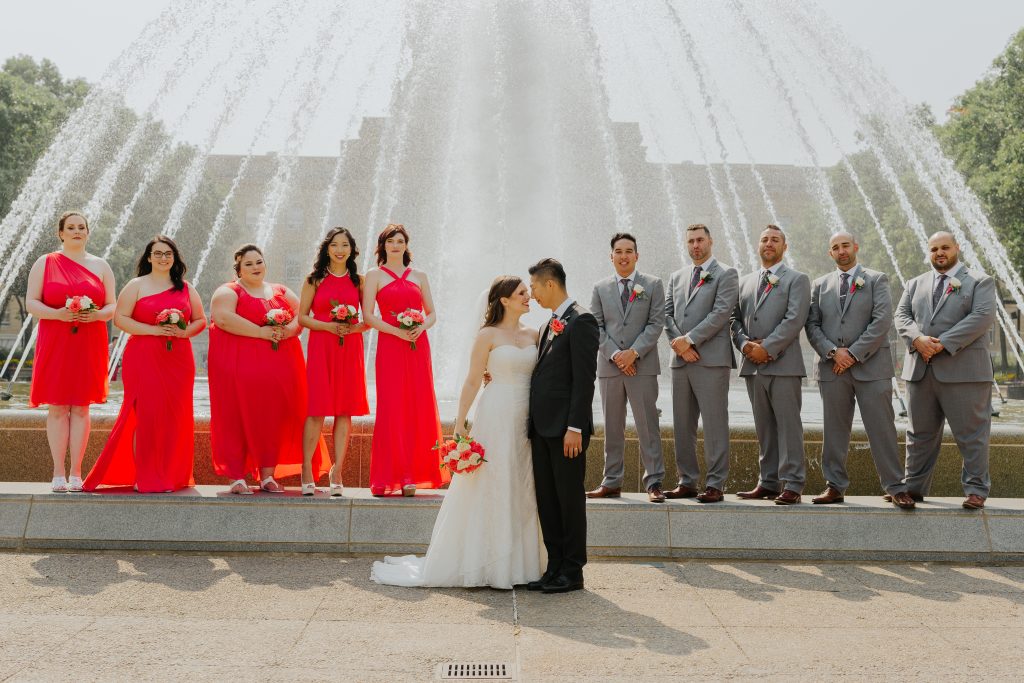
(156, 415)
(335, 373)
(258, 397)
(70, 369)
(407, 426)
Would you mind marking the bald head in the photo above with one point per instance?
(843, 248)
(943, 251)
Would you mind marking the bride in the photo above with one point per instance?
(487, 532)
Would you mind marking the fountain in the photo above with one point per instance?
(498, 133)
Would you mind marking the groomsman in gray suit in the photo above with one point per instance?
(630, 312)
(698, 305)
(766, 324)
(944, 318)
(848, 326)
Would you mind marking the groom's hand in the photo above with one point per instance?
(572, 444)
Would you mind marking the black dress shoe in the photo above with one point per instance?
(563, 584)
(539, 583)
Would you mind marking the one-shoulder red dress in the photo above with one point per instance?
(407, 425)
(151, 444)
(258, 397)
(70, 368)
(335, 373)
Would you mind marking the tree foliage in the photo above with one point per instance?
(984, 136)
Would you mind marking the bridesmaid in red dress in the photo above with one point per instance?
(407, 425)
(257, 391)
(151, 444)
(334, 355)
(70, 368)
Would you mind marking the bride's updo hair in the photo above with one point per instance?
(503, 287)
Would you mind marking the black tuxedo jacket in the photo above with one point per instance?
(562, 388)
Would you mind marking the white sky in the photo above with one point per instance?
(931, 49)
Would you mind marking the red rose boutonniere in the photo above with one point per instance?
(556, 326)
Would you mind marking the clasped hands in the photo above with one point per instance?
(626, 361)
(928, 347)
(755, 353)
(842, 360)
(684, 349)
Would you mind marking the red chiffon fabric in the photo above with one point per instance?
(258, 397)
(335, 372)
(69, 369)
(407, 426)
(156, 415)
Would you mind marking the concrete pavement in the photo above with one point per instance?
(123, 615)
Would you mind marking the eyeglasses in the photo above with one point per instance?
(162, 254)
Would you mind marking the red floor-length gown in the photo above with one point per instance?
(156, 415)
(335, 372)
(258, 397)
(70, 369)
(407, 426)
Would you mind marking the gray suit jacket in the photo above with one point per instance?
(961, 321)
(704, 316)
(776, 318)
(862, 326)
(637, 328)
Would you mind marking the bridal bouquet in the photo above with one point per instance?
(343, 313)
(461, 455)
(171, 316)
(277, 317)
(410, 319)
(79, 304)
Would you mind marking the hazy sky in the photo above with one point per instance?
(931, 49)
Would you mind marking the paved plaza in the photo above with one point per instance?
(160, 616)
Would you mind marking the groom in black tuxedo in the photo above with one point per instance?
(561, 422)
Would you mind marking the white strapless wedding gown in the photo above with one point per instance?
(487, 532)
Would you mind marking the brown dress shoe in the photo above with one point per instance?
(974, 502)
(788, 497)
(655, 494)
(604, 492)
(711, 495)
(831, 495)
(681, 492)
(916, 497)
(902, 500)
(758, 493)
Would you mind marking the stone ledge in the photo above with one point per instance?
(206, 518)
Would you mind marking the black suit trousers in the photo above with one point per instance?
(561, 504)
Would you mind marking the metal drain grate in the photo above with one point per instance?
(466, 671)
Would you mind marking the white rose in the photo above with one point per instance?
(174, 318)
(86, 302)
(773, 279)
(954, 283)
(463, 446)
(859, 282)
(463, 464)
(638, 290)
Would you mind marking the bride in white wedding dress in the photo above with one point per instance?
(487, 532)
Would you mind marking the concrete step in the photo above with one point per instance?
(207, 518)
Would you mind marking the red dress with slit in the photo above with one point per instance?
(335, 373)
(258, 397)
(70, 368)
(407, 425)
(151, 444)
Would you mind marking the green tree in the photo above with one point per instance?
(984, 136)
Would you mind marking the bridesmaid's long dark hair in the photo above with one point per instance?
(177, 270)
(323, 258)
(503, 286)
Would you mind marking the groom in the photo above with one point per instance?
(561, 422)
